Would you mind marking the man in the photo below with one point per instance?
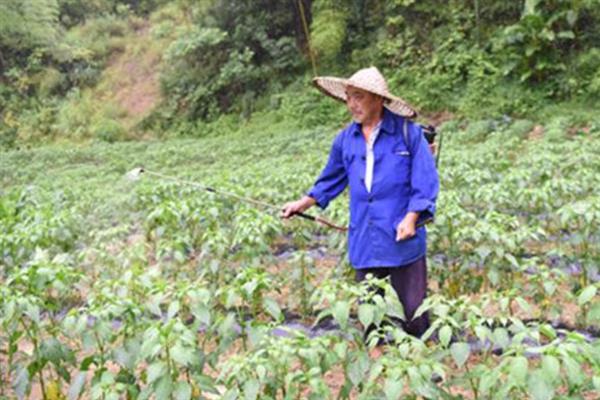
(385, 160)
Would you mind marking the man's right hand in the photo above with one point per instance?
(298, 206)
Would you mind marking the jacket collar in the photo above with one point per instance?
(388, 124)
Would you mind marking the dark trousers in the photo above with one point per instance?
(410, 283)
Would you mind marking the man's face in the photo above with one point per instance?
(364, 106)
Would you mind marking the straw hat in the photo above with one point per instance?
(369, 79)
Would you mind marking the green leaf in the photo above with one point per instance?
(86, 362)
(173, 309)
(501, 337)
(445, 334)
(151, 345)
(548, 331)
(226, 328)
(482, 332)
(123, 357)
(76, 386)
(250, 287)
(530, 6)
(493, 276)
(487, 381)
(483, 251)
(587, 294)
(163, 387)
(512, 260)
(523, 304)
(538, 388)
(575, 374)
(52, 350)
(551, 367)
(374, 372)
(202, 314)
(518, 370)
(156, 370)
(21, 382)
(256, 333)
(341, 311)
(184, 356)
(593, 315)
(460, 353)
(341, 349)
(272, 307)
(251, 388)
(183, 391)
(358, 369)
(153, 305)
(549, 287)
(107, 378)
(207, 384)
(566, 35)
(393, 388)
(366, 314)
(571, 17)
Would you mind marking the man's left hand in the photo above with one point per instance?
(433, 147)
(407, 228)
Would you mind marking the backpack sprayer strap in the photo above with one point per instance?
(405, 133)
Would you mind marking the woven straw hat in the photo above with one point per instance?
(369, 79)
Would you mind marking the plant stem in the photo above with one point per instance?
(102, 355)
(8, 368)
(472, 382)
(36, 352)
(303, 296)
(169, 366)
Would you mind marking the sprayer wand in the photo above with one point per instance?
(137, 172)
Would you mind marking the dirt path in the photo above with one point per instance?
(131, 78)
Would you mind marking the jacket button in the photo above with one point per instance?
(363, 158)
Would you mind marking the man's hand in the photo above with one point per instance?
(298, 206)
(433, 147)
(407, 228)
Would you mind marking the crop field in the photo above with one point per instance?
(119, 289)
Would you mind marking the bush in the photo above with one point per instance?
(99, 36)
(306, 105)
(8, 136)
(587, 70)
(81, 116)
(520, 128)
(75, 115)
(478, 131)
(108, 130)
(232, 53)
(556, 130)
(50, 81)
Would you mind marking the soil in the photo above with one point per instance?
(536, 133)
(133, 77)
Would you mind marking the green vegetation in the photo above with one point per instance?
(479, 59)
(115, 289)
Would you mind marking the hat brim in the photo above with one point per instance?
(336, 88)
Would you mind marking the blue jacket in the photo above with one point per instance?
(404, 179)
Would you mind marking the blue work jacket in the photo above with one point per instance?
(404, 179)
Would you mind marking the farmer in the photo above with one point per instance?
(387, 163)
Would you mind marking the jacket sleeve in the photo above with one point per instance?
(333, 179)
(424, 179)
